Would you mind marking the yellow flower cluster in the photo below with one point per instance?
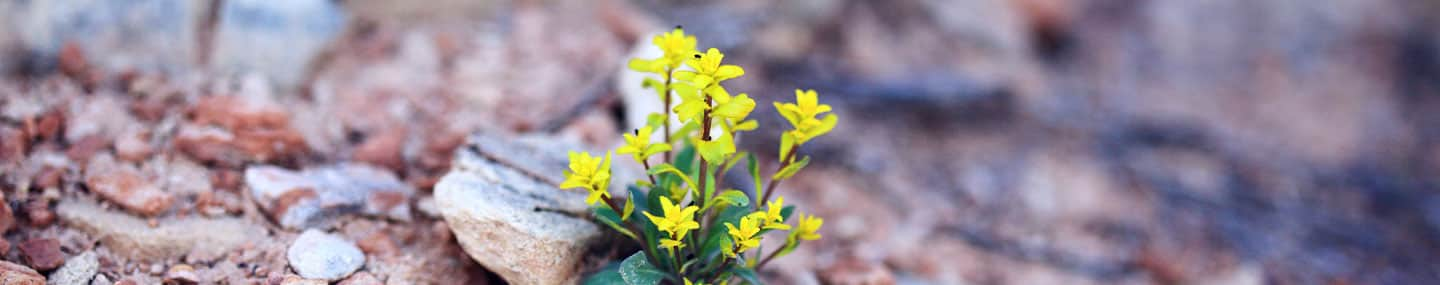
(589, 173)
(675, 222)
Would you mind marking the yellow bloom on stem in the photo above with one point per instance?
(639, 146)
(773, 219)
(675, 221)
(732, 108)
(709, 70)
(801, 114)
(744, 236)
(807, 228)
(676, 46)
(589, 173)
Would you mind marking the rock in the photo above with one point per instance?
(181, 274)
(854, 271)
(132, 237)
(523, 229)
(38, 211)
(102, 116)
(15, 274)
(279, 39)
(133, 147)
(319, 255)
(79, 269)
(362, 278)
(116, 35)
(312, 197)
(86, 147)
(378, 244)
(7, 217)
(297, 280)
(100, 279)
(42, 253)
(383, 149)
(232, 130)
(126, 186)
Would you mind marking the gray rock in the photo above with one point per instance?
(77, 270)
(116, 35)
(276, 38)
(132, 237)
(319, 255)
(518, 226)
(310, 198)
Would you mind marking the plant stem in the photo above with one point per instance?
(773, 254)
(610, 201)
(646, 163)
(666, 110)
(773, 182)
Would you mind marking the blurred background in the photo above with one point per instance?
(980, 141)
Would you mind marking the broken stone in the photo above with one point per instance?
(525, 230)
(38, 211)
(383, 149)
(362, 278)
(301, 199)
(15, 274)
(7, 217)
(297, 280)
(856, 271)
(231, 130)
(126, 186)
(133, 147)
(319, 255)
(130, 236)
(181, 274)
(42, 253)
(79, 269)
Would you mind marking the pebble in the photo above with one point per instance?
(181, 274)
(126, 186)
(15, 274)
(42, 253)
(79, 269)
(319, 255)
(313, 197)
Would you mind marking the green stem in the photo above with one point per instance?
(770, 189)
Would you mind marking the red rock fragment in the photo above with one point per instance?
(39, 213)
(87, 147)
(42, 253)
(130, 190)
(15, 274)
(383, 149)
(134, 147)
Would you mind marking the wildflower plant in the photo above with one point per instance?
(692, 228)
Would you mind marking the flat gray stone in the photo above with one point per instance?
(319, 255)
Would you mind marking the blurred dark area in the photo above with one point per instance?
(979, 142)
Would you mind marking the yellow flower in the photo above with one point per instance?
(676, 45)
(589, 173)
(639, 146)
(744, 236)
(802, 114)
(676, 221)
(709, 70)
(671, 244)
(732, 108)
(773, 219)
(807, 228)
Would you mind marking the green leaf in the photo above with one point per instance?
(715, 245)
(734, 159)
(608, 217)
(731, 197)
(786, 211)
(754, 167)
(665, 168)
(636, 271)
(685, 159)
(608, 275)
(791, 169)
(748, 275)
(655, 120)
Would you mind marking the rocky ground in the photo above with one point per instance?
(980, 142)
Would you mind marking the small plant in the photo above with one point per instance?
(691, 227)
